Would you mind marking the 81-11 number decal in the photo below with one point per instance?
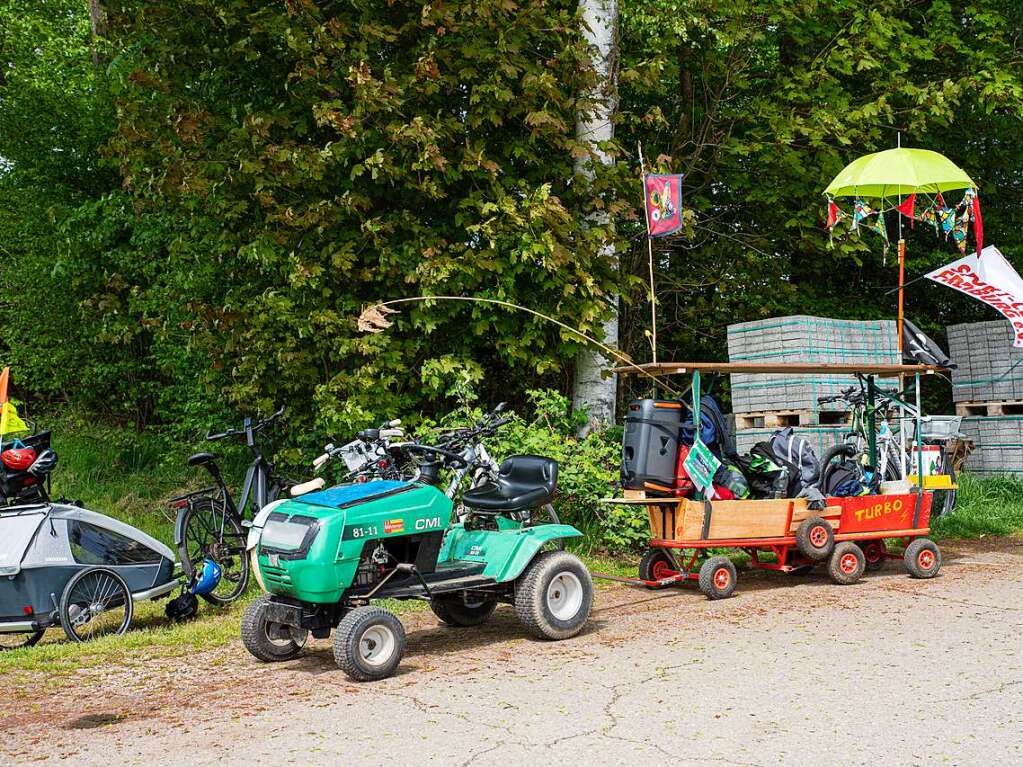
(391, 527)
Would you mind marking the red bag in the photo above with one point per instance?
(684, 486)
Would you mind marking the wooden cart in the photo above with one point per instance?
(849, 535)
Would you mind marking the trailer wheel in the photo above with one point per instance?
(369, 644)
(655, 566)
(815, 539)
(874, 552)
(266, 641)
(922, 558)
(717, 578)
(847, 563)
(463, 609)
(553, 595)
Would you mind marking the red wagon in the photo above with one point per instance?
(849, 536)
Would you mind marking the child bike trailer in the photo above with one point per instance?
(62, 564)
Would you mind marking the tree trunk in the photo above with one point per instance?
(594, 126)
(97, 27)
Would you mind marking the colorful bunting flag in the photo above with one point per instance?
(879, 227)
(906, 207)
(860, 211)
(947, 219)
(971, 204)
(835, 214)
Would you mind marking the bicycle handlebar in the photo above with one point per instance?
(260, 425)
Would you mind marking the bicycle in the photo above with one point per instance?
(892, 459)
(211, 525)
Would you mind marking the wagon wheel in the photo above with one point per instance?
(15, 641)
(874, 553)
(96, 602)
(656, 565)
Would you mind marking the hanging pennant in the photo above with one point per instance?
(947, 219)
(860, 211)
(663, 204)
(835, 214)
(905, 208)
(970, 205)
(929, 216)
(962, 226)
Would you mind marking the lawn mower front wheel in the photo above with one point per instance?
(369, 643)
(267, 641)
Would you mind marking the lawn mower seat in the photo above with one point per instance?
(523, 482)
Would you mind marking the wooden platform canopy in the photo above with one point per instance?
(881, 371)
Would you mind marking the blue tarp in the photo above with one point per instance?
(347, 495)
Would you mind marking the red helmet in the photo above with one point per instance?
(18, 458)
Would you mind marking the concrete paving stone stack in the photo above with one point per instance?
(802, 338)
(990, 370)
(998, 444)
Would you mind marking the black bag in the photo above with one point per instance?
(767, 478)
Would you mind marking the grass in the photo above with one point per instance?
(131, 477)
(984, 506)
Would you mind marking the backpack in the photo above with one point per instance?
(714, 431)
(766, 478)
(795, 452)
(730, 477)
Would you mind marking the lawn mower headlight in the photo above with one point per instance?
(288, 537)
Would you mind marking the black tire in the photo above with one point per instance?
(717, 578)
(655, 565)
(922, 558)
(847, 563)
(874, 553)
(257, 630)
(96, 602)
(202, 539)
(815, 539)
(17, 641)
(369, 644)
(553, 595)
(463, 609)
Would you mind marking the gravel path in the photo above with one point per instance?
(789, 671)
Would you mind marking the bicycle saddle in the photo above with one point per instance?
(201, 459)
(523, 482)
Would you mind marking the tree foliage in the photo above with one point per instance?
(195, 208)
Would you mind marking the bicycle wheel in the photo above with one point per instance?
(212, 532)
(96, 603)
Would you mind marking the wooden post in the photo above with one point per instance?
(902, 280)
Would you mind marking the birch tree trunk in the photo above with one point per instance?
(600, 22)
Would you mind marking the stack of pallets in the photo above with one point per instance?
(764, 403)
(987, 387)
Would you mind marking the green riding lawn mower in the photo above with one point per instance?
(324, 557)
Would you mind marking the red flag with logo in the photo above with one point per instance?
(663, 204)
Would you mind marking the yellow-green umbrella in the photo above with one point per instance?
(895, 173)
